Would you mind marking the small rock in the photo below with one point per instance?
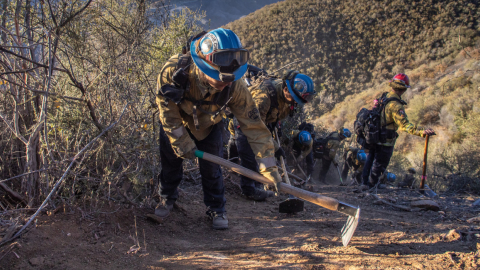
(453, 235)
(377, 202)
(474, 219)
(38, 261)
(426, 204)
(392, 200)
(476, 203)
(441, 212)
(69, 234)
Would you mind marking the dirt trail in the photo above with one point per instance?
(258, 236)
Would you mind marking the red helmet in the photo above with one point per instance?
(401, 79)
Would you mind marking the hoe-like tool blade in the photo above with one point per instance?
(353, 216)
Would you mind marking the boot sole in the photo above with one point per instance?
(220, 227)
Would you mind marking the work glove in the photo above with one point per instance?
(190, 154)
(272, 174)
(280, 153)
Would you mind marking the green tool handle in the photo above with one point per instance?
(323, 201)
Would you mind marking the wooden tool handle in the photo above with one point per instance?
(282, 161)
(323, 201)
(425, 155)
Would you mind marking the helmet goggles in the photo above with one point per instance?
(224, 60)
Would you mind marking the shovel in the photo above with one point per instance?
(292, 204)
(352, 212)
(424, 187)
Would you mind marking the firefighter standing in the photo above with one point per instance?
(393, 117)
(191, 100)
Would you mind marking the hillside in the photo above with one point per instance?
(220, 12)
(347, 45)
(352, 48)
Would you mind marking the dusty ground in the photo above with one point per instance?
(259, 237)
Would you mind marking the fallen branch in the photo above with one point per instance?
(13, 193)
(391, 204)
(292, 175)
(77, 156)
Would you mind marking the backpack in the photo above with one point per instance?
(368, 127)
(320, 148)
(256, 76)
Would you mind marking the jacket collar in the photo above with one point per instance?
(203, 87)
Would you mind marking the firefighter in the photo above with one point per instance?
(354, 161)
(332, 144)
(309, 158)
(302, 145)
(276, 99)
(193, 90)
(393, 117)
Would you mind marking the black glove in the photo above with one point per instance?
(280, 153)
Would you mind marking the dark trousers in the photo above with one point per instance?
(377, 161)
(247, 160)
(324, 170)
(212, 179)
(232, 149)
(308, 159)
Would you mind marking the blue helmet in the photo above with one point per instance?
(220, 55)
(300, 87)
(361, 156)
(304, 137)
(346, 133)
(391, 177)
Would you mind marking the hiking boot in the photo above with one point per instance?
(219, 221)
(163, 209)
(261, 195)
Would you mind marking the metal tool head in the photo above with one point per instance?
(291, 205)
(353, 216)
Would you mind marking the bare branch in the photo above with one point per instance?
(77, 156)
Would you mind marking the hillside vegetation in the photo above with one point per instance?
(346, 45)
(352, 48)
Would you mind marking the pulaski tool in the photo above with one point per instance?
(352, 212)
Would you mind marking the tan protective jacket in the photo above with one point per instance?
(332, 145)
(396, 118)
(176, 118)
(262, 99)
(306, 149)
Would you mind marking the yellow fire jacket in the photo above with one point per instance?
(396, 118)
(177, 118)
(231, 127)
